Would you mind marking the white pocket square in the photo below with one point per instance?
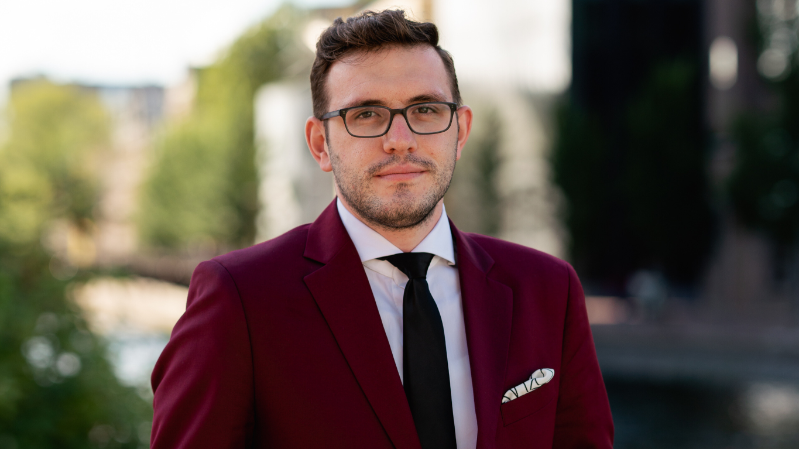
(538, 378)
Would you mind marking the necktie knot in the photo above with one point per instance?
(414, 265)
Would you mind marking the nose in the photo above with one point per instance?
(399, 136)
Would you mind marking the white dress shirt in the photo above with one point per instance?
(388, 287)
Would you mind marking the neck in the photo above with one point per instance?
(405, 239)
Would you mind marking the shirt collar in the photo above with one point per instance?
(371, 245)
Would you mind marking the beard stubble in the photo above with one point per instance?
(403, 209)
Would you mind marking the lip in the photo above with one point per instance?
(401, 173)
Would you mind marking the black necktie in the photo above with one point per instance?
(425, 370)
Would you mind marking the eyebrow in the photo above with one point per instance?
(425, 98)
(416, 99)
(367, 102)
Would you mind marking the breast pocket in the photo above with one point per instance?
(528, 404)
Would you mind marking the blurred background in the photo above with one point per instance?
(653, 144)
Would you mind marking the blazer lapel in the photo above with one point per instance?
(344, 297)
(487, 313)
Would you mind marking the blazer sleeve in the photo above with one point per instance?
(583, 417)
(203, 380)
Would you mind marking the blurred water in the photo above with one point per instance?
(704, 415)
(133, 356)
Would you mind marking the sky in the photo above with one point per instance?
(134, 42)
(122, 41)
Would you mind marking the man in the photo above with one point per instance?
(380, 324)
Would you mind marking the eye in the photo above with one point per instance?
(427, 109)
(365, 114)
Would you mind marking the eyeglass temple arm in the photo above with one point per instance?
(332, 114)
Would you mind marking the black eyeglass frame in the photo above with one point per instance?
(404, 112)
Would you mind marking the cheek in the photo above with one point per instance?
(350, 158)
(444, 148)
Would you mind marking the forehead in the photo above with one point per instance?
(392, 76)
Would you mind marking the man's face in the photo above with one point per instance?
(394, 181)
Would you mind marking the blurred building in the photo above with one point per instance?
(743, 278)
(293, 190)
(137, 113)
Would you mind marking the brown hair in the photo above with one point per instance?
(372, 31)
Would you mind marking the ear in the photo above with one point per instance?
(317, 142)
(464, 117)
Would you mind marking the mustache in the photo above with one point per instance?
(396, 160)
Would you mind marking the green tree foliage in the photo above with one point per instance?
(203, 185)
(638, 201)
(47, 163)
(764, 186)
(56, 388)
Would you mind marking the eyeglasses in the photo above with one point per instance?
(374, 121)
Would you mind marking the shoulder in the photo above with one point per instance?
(525, 269)
(510, 256)
(277, 255)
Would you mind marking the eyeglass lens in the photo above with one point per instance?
(423, 118)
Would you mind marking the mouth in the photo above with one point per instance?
(400, 173)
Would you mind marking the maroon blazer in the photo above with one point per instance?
(282, 346)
